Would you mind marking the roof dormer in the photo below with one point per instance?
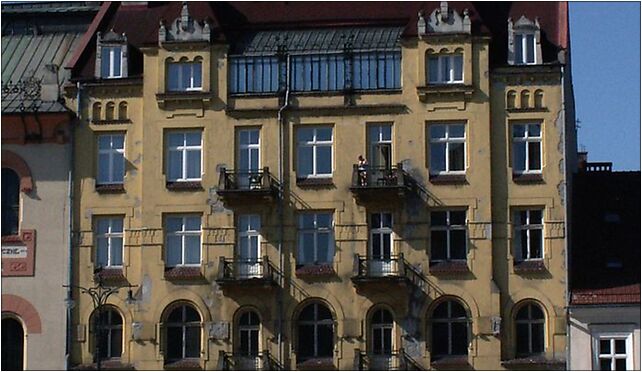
(184, 29)
(444, 20)
(524, 42)
(111, 55)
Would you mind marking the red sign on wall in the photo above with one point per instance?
(18, 254)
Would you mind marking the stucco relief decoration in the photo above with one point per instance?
(444, 20)
(184, 28)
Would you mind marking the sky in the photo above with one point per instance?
(605, 49)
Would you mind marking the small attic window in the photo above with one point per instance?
(524, 42)
(525, 48)
(111, 55)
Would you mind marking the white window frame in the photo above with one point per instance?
(525, 140)
(112, 73)
(111, 152)
(315, 144)
(184, 148)
(182, 234)
(448, 140)
(521, 59)
(448, 228)
(184, 325)
(182, 67)
(450, 60)
(379, 141)
(528, 227)
(382, 327)
(627, 335)
(315, 231)
(109, 235)
(248, 330)
(381, 231)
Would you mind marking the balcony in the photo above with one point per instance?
(241, 362)
(397, 360)
(394, 270)
(235, 186)
(379, 183)
(249, 272)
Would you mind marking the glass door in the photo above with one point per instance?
(249, 159)
(381, 262)
(248, 264)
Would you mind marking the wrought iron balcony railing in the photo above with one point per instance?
(396, 360)
(374, 183)
(247, 183)
(262, 361)
(395, 268)
(258, 271)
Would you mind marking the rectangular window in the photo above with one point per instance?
(524, 49)
(448, 239)
(184, 158)
(111, 159)
(249, 246)
(613, 351)
(446, 69)
(380, 145)
(254, 74)
(317, 72)
(314, 152)
(529, 240)
(376, 70)
(111, 62)
(109, 241)
(182, 240)
(316, 239)
(527, 148)
(184, 76)
(447, 148)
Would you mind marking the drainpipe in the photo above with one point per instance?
(567, 203)
(70, 247)
(281, 121)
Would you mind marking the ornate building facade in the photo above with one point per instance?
(324, 185)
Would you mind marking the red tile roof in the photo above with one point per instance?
(617, 295)
(228, 19)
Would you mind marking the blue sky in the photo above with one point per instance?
(605, 43)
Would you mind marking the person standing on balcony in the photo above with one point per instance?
(362, 166)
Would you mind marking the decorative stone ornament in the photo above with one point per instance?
(444, 20)
(184, 29)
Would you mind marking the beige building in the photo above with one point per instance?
(37, 41)
(324, 186)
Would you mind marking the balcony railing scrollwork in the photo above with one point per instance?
(247, 185)
(375, 183)
(394, 268)
(262, 361)
(396, 360)
(259, 271)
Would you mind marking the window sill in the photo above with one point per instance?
(108, 364)
(315, 270)
(183, 365)
(448, 267)
(321, 181)
(532, 360)
(527, 109)
(183, 96)
(110, 189)
(528, 178)
(529, 267)
(111, 275)
(445, 89)
(450, 360)
(111, 122)
(445, 179)
(319, 364)
(184, 186)
(184, 273)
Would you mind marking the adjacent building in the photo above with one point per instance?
(604, 312)
(38, 39)
(312, 185)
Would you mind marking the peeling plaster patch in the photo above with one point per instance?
(146, 289)
(138, 159)
(561, 191)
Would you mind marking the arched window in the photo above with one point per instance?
(529, 330)
(12, 342)
(449, 330)
(10, 201)
(511, 99)
(122, 111)
(248, 334)
(109, 111)
(96, 111)
(109, 328)
(381, 332)
(183, 338)
(525, 99)
(316, 332)
(539, 99)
